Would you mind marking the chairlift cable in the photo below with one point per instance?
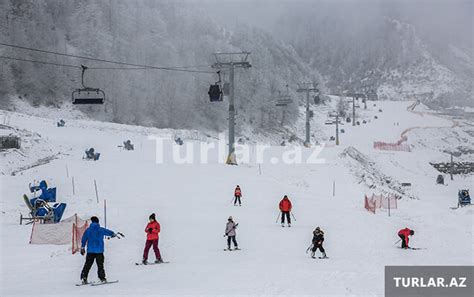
(79, 67)
(181, 69)
(40, 62)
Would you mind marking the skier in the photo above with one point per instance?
(94, 239)
(153, 231)
(318, 238)
(403, 234)
(237, 195)
(230, 233)
(285, 208)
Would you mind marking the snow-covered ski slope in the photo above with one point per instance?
(193, 202)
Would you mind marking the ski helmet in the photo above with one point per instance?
(152, 217)
(230, 218)
(94, 219)
(412, 232)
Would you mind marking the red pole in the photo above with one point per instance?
(388, 205)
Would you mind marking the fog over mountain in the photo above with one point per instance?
(404, 50)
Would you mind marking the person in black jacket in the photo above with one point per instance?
(318, 238)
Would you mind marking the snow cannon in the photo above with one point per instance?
(47, 194)
(91, 154)
(50, 214)
(58, 211)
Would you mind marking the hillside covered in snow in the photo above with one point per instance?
(395, 49)
(192, 202)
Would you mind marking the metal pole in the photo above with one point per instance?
(231, 158)
(105, 213)
(73, 188)
(96, 192)
(307, 142)
(293, 215)
(452, 167)
(353, 112)
(337, 129)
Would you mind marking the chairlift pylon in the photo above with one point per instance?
(87, 95)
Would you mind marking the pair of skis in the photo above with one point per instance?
(235, 249)
(152, 263)
(413, 248)
(320, 257)
(98, 283)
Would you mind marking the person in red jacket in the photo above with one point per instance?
(403, 234)
(285, 208)
(152, 234)
(237, 195)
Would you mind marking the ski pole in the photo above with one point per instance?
(310, 246)
(278, 217)
(232, 199)
(396, 242)
(119, 235)
(293, 216)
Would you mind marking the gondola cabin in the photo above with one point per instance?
(215, 93)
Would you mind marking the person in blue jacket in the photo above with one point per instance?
(94, 239)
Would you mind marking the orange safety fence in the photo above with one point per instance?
(374, 202)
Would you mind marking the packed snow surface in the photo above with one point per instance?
(193, 201)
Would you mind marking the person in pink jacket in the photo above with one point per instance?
(152, 235)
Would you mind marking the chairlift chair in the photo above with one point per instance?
(87, 95)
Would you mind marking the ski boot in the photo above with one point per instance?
(289, 224)
(324, 256)
(158, 261)
(84, 281)
(103, 280)
(313, 255)
(145, 262)
(282, 224)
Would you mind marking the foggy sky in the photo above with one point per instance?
(438, 20)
